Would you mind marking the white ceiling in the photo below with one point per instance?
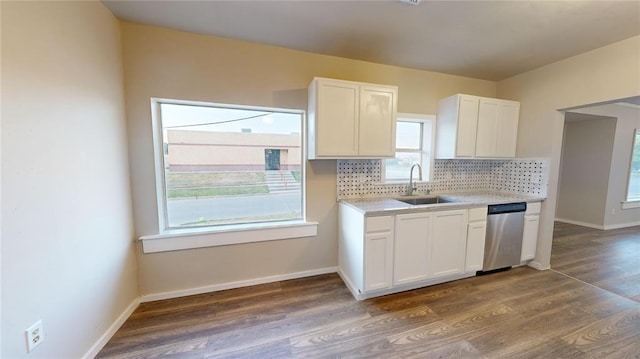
(489, 40)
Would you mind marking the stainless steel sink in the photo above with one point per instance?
(423, 200)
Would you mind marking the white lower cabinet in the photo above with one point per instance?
(379, 255)
(476, 233)
(378, 259)
(365, 251)
(411, 248)
(448, 243)
(530, 232)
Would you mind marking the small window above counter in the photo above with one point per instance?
(476, 127)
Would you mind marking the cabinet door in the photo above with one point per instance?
(378, 260)
(530, 237)
(507, 129)
(377, 127)
(487, 127)
(467, 126)
(411, 248)
(448, 243)
(475, 246)
(336, 122)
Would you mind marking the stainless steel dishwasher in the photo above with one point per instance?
(503, 241)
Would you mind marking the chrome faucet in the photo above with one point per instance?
(411, 187)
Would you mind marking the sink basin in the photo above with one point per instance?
(423, 200)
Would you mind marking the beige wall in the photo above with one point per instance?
(584, 173)
(67, 251)
(610, 72)
(171, 64)
(628, 119)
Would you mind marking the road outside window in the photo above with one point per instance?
(225, 164)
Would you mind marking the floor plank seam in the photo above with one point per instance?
(589, 284)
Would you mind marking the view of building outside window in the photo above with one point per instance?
(633, 192)
(230, 165)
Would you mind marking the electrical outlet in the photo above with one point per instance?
(34, 335)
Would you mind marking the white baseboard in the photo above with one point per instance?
(579, 223)
(238, 284)
(597, 226)
(352, 288)
(104, 339)
(621, 225)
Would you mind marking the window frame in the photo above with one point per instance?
(428, 164)
(223, 234)
(629, 202)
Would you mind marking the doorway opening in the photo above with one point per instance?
(595, 171)
(271, 159)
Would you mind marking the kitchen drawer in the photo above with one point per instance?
(379, 224)
(478, 214)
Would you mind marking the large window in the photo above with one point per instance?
(414, 144)
(225, 164)
(633, 191)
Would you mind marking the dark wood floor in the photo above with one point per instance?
(521, 313)
(607, 259)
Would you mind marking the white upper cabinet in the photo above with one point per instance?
(377, 125)
(333, 118)
(456, 127)
(497, 128)
(487, 134)
(351, 120)
(476, 127)
(508, 116)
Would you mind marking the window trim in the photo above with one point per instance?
(629, 203)
(190, 238)
(219, 234)
(421, 118)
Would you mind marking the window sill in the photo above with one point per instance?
(635, 203)
(174, 240)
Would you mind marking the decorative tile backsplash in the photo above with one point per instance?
(523, 176)
(361, 178)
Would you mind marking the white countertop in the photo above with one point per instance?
(388, 205)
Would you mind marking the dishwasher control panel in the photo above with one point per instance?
(507, 208)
